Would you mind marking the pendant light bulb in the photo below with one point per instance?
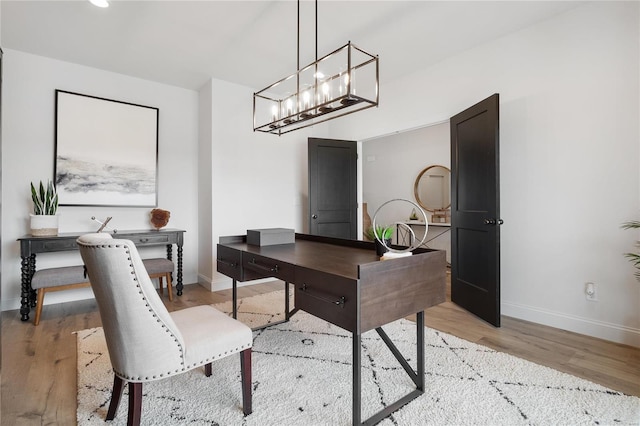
(100, 3)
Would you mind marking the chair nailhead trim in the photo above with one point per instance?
(180, 348)
(140, 292)
(185, 368)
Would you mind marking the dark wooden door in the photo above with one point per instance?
(333, 205)
(475, 210)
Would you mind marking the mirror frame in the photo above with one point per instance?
(417, 182)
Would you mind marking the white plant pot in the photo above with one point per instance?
(44, 225)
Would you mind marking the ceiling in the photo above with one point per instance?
(253, 43)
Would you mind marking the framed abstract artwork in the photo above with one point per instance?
(106, 152)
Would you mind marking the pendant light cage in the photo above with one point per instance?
(343, 82)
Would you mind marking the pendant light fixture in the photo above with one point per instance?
(340, 83)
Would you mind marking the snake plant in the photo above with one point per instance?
(45, 202)
(382, 232)
(633, 257)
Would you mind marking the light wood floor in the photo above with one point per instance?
(39, 363)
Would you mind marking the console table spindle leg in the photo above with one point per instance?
(179, 286)
(27, 270)
(32, 293)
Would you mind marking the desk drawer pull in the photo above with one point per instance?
(339, 302)
(255, 265)
(224, 262)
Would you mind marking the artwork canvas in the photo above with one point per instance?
(106, 152)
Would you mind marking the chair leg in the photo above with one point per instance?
(207, 370)
(169, 287)
(116, 393)
(39, 303)
(135, 404)
(245, 372)
(160, 286)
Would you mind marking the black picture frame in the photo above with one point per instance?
(106, 152)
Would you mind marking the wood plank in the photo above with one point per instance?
(39, 363)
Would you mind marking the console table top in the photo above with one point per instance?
(114, 235)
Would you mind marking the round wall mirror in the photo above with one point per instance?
(433, 188)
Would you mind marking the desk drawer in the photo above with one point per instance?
(59, 245)
(256, 266)
(330, 297)
(142, 240)
(229, 262)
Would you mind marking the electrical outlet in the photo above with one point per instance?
(590, 291)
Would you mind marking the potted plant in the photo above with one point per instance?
(44, 220)
(382, 232)
(633, 257)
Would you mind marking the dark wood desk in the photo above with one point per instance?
(344, 283)
(30, 246)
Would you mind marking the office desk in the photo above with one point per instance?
(30, 246)
(344, 283)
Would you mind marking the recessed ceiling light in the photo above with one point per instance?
(100, 3)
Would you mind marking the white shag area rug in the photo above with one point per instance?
(302, 376)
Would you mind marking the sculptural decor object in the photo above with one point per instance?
(103, 225)
(160, 218)
(414, 241)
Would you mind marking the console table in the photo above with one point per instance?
(344, 282)
(438, 235)
(30, 246)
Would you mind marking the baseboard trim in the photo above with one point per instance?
(600, 329)
(205, 282)
(51, 299)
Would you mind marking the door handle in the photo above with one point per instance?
(315, 216)
(493, 221)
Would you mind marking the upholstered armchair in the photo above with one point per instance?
(144, 340)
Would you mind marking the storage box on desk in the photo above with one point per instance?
(270, 236)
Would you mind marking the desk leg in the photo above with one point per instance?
(357, 380)
(420, 383)
(287, 304)
(234, 298)
(286, 301)
(287, 313)
(416, 376)
(27, 270)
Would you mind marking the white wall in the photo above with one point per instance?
(205, 184)
(258, 180)
(570, 158)
(28, 155)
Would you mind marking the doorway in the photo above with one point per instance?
(390, 167)
(473, 247)
(333, 205)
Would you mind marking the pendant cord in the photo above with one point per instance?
(316, 30)
(298, 57)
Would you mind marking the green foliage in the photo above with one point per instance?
(45, 202)
(633, 257)
(384, 232)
